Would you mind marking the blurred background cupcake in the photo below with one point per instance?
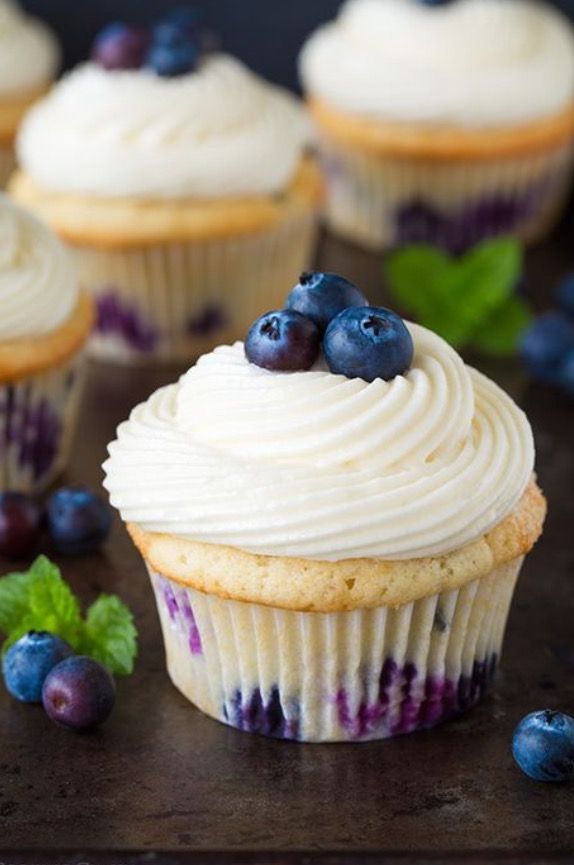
(443, 122)
(44, 323)
(181, 181)
(29, 57)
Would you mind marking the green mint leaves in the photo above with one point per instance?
(469, 301)
(41, 600)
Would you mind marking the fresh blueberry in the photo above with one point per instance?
(543, 746)
(79, 693)
(284, 341)
(169, 61)
(565, 295)
(545, 345)
(322, 296)
(368, 342)
(19, 524)
(566, 374)
(27, 663)
(177, 25)
(78, 521)
(121, 46)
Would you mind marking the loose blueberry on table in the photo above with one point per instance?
(79, 693)
(27, 663)
(78, 521)
(548, 344)
(543, 746)
(19, 524)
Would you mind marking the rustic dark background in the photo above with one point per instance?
(267, 34)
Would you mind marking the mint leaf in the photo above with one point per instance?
(110, 635)
(454, 297)
(13, 600)
(500, 333)
(41, 600)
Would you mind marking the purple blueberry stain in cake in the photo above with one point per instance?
(406, 702)
(268, 715)
(32, 429)
(194, 638)
(117, 318)
(209, 321)
(458, 229)
(180, 612)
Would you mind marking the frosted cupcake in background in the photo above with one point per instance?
(29, 58)
(44, 325)
(443, 122)
(333, 537)
(182, 185)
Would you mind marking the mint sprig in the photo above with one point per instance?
(41, 600)
(469, 301)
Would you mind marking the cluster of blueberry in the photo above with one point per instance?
(77, 692)
(325, 310)
(173, 47)
(77, 521)
(548, 345)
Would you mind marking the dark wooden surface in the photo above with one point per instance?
(160, 777)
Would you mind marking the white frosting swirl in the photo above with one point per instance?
(29, 53)
(217, 132)
(318, 466)
(471, 62)
(38, 289)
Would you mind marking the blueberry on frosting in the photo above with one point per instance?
(368, 342)
(121, 46)
(172, 48)
(358, 340)
(322, 296)
(283, 341)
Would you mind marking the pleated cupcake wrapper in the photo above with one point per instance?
(37, 420)
(174, 302)
(7, 163)
(349, 676)
(386, 202)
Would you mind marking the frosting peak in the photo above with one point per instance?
(38, 288)
(29, 53)
(217, 132)
(472, 62)
(314, 465)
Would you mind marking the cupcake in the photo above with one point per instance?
(44, 324)
(182, 186)
(333, 538)
(29, 57)
(443, 122)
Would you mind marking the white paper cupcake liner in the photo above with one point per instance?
(173, 302)
(383, 202)
(37, 420)
(325, 677)
(7, 163)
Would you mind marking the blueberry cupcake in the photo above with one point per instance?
(182, 185)
(338, 521)
(443, 122)
(29, 58)
(44, 324)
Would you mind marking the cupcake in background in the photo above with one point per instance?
(334, 536)
(44, 325)
(443, 122)
(181, 181)
(29, 59)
